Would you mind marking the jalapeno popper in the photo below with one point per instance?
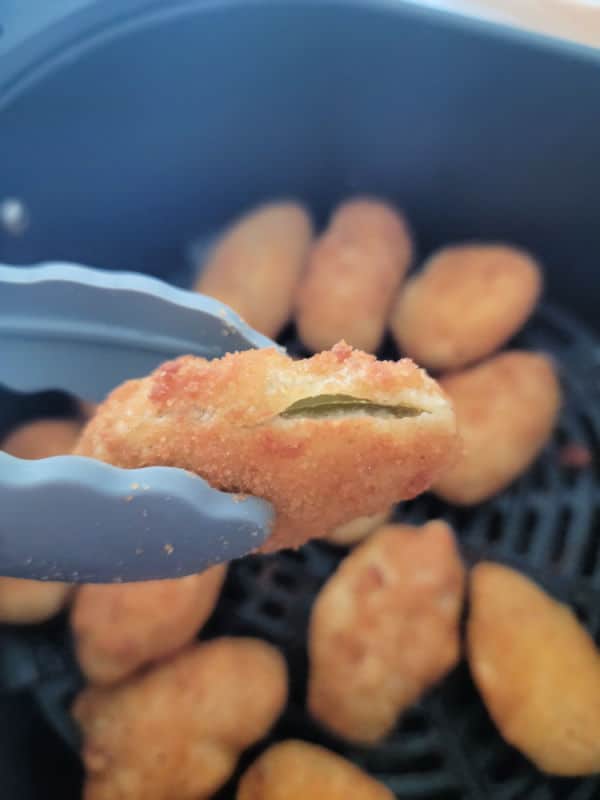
(256, 265)
(465, 303)
(384, 629)
(296, 770)
(353, 274)
(123, 627)
(176, 731)
(537, 669)
(325, 440)
(506, 409)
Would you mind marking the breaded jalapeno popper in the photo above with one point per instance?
(326, 439)
(506, 409)
(537, 669)
(384, 629)
(176, 731)
(354, 271)
(296, 770)
(465, 303)
(256, 265)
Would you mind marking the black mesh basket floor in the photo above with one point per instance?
(547, 524)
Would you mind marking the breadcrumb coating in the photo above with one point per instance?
(537, 669)
(296, 770)
(353, 274)
(385, 628)
(176, 731)
(223, 420)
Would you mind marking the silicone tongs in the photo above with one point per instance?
(74, 519)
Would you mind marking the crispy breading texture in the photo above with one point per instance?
(296, 770)
(354, 271)
(358, 529)
(506, 409)
(256, 265)
(223, 420)
(121, 627)
(384, 629)
(466, 303)
(178, 730)
(537, 669)
(25, 601)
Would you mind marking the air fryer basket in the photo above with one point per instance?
(444, 748)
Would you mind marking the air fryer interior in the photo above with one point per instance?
(134, 133)
(130, 147)
(445, 748)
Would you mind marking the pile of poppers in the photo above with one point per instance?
(334, 442)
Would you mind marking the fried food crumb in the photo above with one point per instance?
(255, 266)
(465, 303)
(354, 272)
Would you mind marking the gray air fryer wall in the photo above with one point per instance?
(155, 129)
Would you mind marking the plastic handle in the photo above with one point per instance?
(79, 520)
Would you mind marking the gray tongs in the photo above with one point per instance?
(69, 518)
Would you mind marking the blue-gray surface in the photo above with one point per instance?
(176, 119)
(78, 520)
(84, 332)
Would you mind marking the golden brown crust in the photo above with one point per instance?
(122, 627)
(220, 419)
(506, 409)
(295, 770)
(384, 628)
(537, 669)
(354, 271)
(177, 730)
(256, 265)
(466, 302)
